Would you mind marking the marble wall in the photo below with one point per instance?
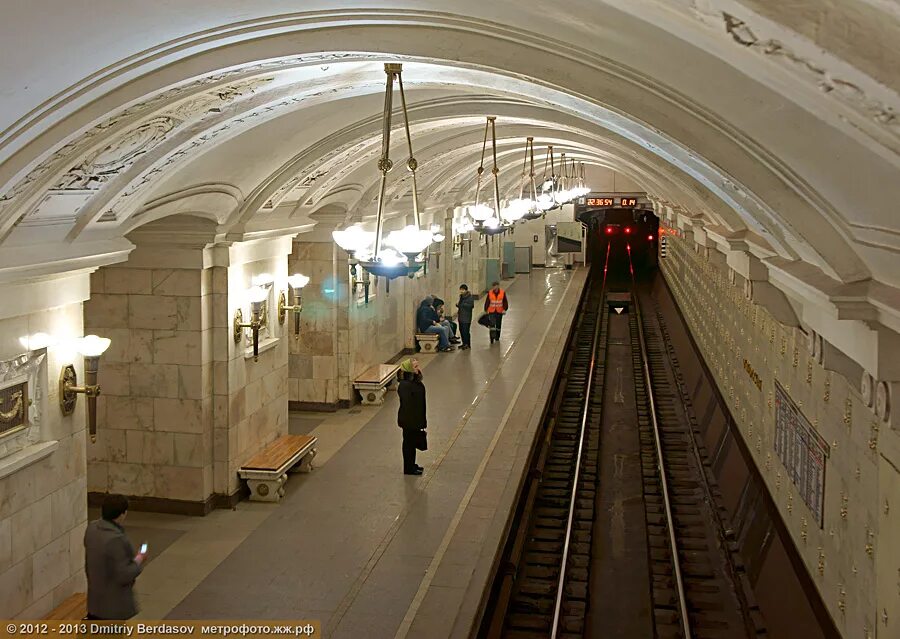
(155, 410)
(314, 354)
(183, 405)
(43, 511)
(252, 399)
(853, 557)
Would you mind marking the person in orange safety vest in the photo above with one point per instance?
(496, 303)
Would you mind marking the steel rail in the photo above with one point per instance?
(560, 590)
(660, 463)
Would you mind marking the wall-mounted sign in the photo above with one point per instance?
(802, 451)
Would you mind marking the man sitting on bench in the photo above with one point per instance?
(428, 321)
(438, 304)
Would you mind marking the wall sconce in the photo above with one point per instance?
(296, 281)
(257, 296)
(91, 348)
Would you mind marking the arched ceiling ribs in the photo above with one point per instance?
(734, 162)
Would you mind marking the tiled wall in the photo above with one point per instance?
(853, 558)
(42, 506)
(155, 411)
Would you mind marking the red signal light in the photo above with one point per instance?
(628, 230)
(650, 237)
(609, 230)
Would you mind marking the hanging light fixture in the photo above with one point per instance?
(412, 240)
(549, 184)
(581, 189)
(527, 201)
(487, 219)
(561, 192)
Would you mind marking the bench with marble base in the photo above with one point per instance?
(266, 472)
(73, 608)
(428, 342)
(375, 382)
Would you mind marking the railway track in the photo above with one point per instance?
(695, 591)
(537, 598)
(543, 585)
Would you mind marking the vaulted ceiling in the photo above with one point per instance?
(258, 116)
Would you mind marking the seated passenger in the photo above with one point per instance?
(444, 321)
(427, 321)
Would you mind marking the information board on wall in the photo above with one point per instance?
(802, 451)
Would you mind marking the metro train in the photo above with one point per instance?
(618, 231)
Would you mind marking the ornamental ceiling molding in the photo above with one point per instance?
(120, 203)
(325, 22)
(365, 133)
(874, 116)
(196, 98)
(111, 147)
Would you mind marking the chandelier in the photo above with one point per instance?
(488, 220)
(404, 247)
(581, 188)
(546, 199)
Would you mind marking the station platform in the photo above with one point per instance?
(358, 545)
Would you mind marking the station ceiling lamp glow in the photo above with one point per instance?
(412, 240)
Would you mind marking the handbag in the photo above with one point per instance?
(485, 320)
(421, 440)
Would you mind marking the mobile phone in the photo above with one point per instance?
(144, 549)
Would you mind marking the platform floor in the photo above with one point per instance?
(356, 544)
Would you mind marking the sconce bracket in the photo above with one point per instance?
(67, 397)
(238, 326)
(282, 310)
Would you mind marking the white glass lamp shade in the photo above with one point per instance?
(256, 295)
(463, 225)
(438, 238)
(93, 346)
(491, 223)
(354, 240)
(297, 281)
(411, 240)
(263, 279)
(389, 257)
(481, 212)
(545, 202)
(516, 209)
(562, 196)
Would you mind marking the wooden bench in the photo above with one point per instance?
(266, 472)
(428, 342)
(375, 382)
(75, 607)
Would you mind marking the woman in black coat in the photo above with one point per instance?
(411, 416)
